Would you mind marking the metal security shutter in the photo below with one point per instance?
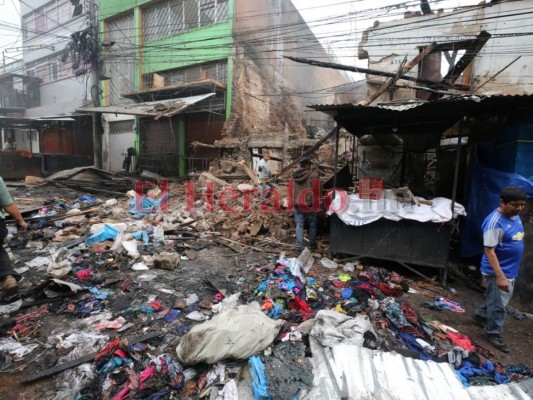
(159, 146)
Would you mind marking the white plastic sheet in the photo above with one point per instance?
(332, 328)
(131, 247)
(11, 307)
(39, 262)
(359, 212)
(15, 348)
(229, 391)
(228, 303)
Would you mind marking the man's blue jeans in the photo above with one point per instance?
(302, 218)
(262, 187)
(493, 310)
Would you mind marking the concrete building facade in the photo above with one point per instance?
(234, 49)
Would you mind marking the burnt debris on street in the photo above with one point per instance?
(211, 200)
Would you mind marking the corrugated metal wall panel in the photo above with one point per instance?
(357, 373)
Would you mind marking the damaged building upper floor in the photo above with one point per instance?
(480, 49)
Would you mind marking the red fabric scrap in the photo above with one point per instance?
(458, 339)
(410, 314)
(128, 285)
(388, 291)
(108, 349)
(148, 373)
(84, 274)
(300, 306)
(120, 353)
(339, 284)
(367, 288)
(156, 305)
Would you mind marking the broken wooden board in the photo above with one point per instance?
(253, 176)
(191, 254)
(213, 178)
(218, 284)
(84, 359)
(239, 248)
(255, 228)
(32, 181)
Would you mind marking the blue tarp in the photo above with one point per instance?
(483, 197)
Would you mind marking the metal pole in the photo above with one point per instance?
(354, 172)
(336, 156)
(95, 88)
(456, 173)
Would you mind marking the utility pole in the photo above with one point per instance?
(95, 85)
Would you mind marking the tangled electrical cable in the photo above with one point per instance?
(82, 50)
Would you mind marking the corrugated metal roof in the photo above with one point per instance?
(409, 104)
(423, 117)
(356, 373)
(24, 122)
(161, 108)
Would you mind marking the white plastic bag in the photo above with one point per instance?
(131, 247)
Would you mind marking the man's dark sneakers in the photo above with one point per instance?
(479, 320)
(498, 343)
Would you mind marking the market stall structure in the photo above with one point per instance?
(438, 139)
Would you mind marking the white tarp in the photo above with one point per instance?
(331, 328)
(359, 212)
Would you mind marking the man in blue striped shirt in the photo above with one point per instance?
(503, 242)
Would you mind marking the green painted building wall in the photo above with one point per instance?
(197, 46)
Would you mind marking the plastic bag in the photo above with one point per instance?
(105, 234)
(159, 234)
(131, 247)
(141, 235)
(327, 263)
(259, 380)
(139, 267)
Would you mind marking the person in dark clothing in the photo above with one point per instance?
(8, 277)
(126, 164)
(304, 209)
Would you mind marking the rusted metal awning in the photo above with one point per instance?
(422, 116)
(157, 109)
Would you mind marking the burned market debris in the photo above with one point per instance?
(119, 302)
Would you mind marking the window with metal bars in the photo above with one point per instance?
(121, 126)
(52, 71)
(42, 19)
(172, 17)
(216, 70)
(121, 66)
